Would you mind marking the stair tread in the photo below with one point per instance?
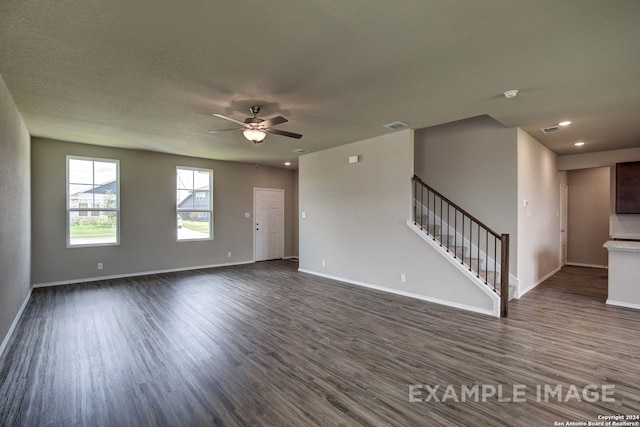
(448, 243)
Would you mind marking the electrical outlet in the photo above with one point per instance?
(228, 254)
(324, 263)
(403, 277)
(100, 266)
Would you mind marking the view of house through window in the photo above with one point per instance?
(194, 203)
(93, 206)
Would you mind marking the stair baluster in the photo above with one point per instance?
(458, 242)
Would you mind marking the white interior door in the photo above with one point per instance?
(564, 213)
(268, 205)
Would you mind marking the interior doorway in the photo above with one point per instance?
(268, 213)
(589, 209)
(564, 215)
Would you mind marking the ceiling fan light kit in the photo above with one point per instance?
(255, 129)
(254, 135)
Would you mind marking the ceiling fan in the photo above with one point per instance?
(255, 129)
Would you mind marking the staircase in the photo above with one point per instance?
(452, 245)
(484, 252)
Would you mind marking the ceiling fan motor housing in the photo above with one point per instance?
(253, 120)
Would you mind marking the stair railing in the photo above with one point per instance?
(464, 236)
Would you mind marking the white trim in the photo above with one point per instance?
(292, 257)
(521, 294)
(193, 190)
(142, 273)
(565, 230)
(454, 261)
(404, 293)
(623, 304)
(579, 264)
(69, 209)
(7, 337)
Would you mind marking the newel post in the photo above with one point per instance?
(504, 276)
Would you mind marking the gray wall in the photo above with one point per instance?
(598, 159)
(490, 170)
(15, 226)
(473, 162)
(588, 225)
(620, 226)
(356, 222)
(538, 222)
(148, 229)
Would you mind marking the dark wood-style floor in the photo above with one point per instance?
(266, 345)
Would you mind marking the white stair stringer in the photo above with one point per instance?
(462, 242)
(495, 298)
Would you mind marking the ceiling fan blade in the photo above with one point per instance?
(284, 133)
(222, 130)
(274, 121)
(230, 119)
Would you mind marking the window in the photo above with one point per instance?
(93, 205)
(194, 204)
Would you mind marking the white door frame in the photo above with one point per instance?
(564, 223)
(255, 218)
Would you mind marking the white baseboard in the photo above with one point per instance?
(142, 273)
(578, 264)
(404, 293)
(623, 304)
(520, 294)
(7, 337)
(292, 257)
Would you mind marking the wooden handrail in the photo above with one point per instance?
(502, 239)
(477, 221)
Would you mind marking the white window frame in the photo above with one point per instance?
(93, 210)
(200, 211)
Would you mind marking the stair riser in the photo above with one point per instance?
(429, 228)
(462, 253)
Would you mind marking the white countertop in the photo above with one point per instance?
(622, 245)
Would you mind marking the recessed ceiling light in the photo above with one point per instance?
(565, 123)
(511, 93)
(579, 144)
(287, 163)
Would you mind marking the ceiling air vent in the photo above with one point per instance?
(550, 129)
(396, 125)
(300, 151)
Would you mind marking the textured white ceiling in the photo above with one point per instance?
(149, 74)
